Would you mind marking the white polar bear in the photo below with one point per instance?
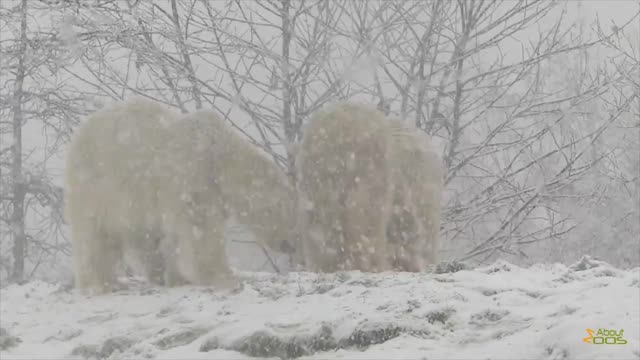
(345, 190)
(369, 191)
(148, 184)
(414, 224)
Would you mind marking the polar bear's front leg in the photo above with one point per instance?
(95, 255)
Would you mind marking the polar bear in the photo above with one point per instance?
(369, 191)
(345, 190)
(414, 224)
(153, 187)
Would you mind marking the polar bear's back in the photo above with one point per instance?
(251, 185)
(121, 139)
(114, 158)
(413, 147)
(345, 145)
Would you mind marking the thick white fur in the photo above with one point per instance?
(413, 228)
(344, 187)
(369, 191)
(146, 183)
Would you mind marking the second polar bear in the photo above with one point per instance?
(414, 224)
(370, 193)
(345, 190)
(146, 183)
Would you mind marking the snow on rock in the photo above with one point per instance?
(500, 311)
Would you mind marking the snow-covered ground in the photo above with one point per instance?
(497, 312)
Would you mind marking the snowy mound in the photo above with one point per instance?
(496, 312)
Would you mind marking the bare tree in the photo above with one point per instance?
(34, 103)
(263, 64)
(506, 130)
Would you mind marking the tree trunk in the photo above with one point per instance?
(18, 190)
(287, 89)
